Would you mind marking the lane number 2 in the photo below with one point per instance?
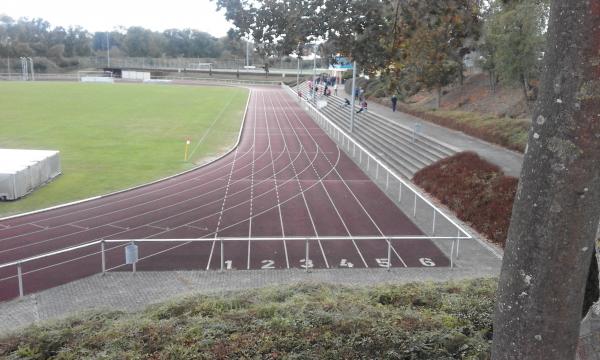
(267, 264)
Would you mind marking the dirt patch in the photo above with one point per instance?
(476, 190)
(475, 96)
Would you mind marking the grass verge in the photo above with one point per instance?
(316, 321)
(476, 190)
(507, 132)
(115, 136)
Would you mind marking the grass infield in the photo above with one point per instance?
(115, 136)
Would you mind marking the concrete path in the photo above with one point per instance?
(129, 292)
(508, 160)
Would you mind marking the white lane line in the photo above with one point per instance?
(193, 189)
(354, 195)
(300, 184)
(287, 261)
(195, 209)
(225, 196)
(252, 187)
(217, 118)
(212, 249)
(328, 194)
(239, 222)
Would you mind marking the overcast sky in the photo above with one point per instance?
(107, 14)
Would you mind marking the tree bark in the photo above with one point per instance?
(439, 96)
(592, 286)
(557, 207)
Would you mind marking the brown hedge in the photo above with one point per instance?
(476, 190)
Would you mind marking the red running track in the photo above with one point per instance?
(286, 178)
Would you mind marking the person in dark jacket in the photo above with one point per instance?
(394, 102)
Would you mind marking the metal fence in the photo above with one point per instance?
(182, 78)
(98, 249)
(425, 214)
(438, 226)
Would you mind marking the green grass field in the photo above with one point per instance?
(115, 136)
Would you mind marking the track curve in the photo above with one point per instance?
(285, 178)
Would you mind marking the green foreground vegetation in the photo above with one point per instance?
(115, 136)
(309, 321)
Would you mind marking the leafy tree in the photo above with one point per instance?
(557, 208)
(358, 29)
(433, 36)
(515, 35)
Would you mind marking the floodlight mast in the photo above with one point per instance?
(298, 70)
(353, 96)
(32, 73)
(247, 54)
(314, 90)
(107, 50)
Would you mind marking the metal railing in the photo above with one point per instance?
(382, 174)
(188, 78)
(349, 145)
(221, 240)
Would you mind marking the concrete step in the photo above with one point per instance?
(391, 142)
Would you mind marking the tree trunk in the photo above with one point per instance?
(492, 78)
(439, 96)
(557, 207)
(592, 286)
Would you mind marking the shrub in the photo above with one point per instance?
(476, 190)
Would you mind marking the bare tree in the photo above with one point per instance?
(556, 212)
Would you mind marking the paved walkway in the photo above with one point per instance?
(129, 292)
(508, 160)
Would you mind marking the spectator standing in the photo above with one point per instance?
(394, 102)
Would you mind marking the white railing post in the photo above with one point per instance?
(415, 207)
(387, 180)
(452, 255)
(433, 226)
(389, 255)
(400, 193)
(103, 255)
(306, 256)
(20, 276)
(222, 256)
(457, 242)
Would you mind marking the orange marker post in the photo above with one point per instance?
(187, 148)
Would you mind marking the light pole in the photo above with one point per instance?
(247, 54)
(298, 70)
(107, 51)
(32, 74)
(353, 96)
(314, 88)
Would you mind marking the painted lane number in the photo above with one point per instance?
(346, 263)
(267, 264)
(426, 262)
(382, 262)
(306, 264)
